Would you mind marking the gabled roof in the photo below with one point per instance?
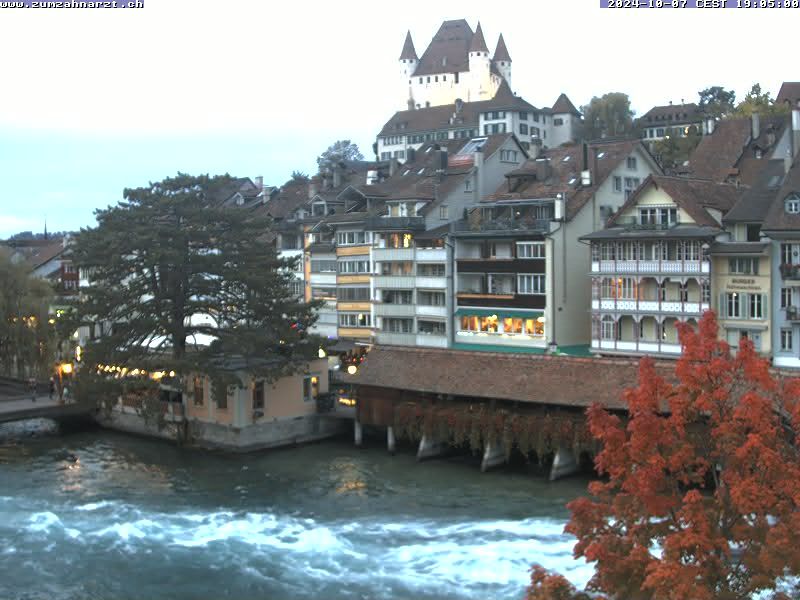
(447, 116)
(45, 254)
(477, 43)
(777, 218)
(757, 199)
(291, 196)
(447, 52)
(501, 52)
(727, 150)
(671, 114)
(789, 93)
(694, 196)
(408, 49)
(564, 106)
(563, 173)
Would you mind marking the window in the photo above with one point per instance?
(789, 254)
(793, 204)
(705, 293)
(786, 340)
(743, 266)
(430, 298)
(753, 232)
(658, 216)
(660, 132)
(558, 122)
(386, 155)
(198, 391)
(328, 293)
(351, 238)
(323, 266)
(732, 308)
(530, 284)
(631, 162)
(536, 117)
(310, 388)
(786, 297)
(434, 270)
(607, 327)
(296, 288)
(258, 395)
(631, 183)
(523, 128)
(443, 212)
(508, 155)
(354, 266)
(222, 400)
(397, 297)
(431, 327)
(397, 268)
(468, 185)
(523, 116)
(617, 183)
(756, 308)
(355, 320)
(352, 294)
(530, 250)
(393, 325)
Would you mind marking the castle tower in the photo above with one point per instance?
(408, 64)
(502, 59)
(479, 63)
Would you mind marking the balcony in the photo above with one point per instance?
(394, 224)
(634, 223)
(431, 255)
(502, 225)
(673, 307)
(651, 266)
(642, 347)
(392, 254)
(396, 339)
(793, 314)
(437, 283)
(393, 282)
(390, 309)
(428, 310)
(790, 272)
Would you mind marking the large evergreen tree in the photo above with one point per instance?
(183, 283)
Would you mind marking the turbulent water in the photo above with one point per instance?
(103, 516)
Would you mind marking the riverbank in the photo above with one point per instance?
(320, 520)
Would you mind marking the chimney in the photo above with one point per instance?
(312, 189)
(710, 124)
(392, 166)
(260, 182)
(411, 156)
(755, 125)
(477, 162)
(442, 167)
(585, 156)
(795, 130)
(542, 169)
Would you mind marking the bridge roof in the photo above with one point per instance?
(539, 379)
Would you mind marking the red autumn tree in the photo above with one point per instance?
(700, 497)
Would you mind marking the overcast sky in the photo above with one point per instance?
(93, 101)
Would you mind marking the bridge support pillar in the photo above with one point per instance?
(430, 448)
(564, 463)
(493, 455)
(358, 434)
(390, 441)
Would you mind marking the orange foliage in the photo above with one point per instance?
(701, 488)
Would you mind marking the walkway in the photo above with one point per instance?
(19, 409)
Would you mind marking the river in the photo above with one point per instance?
(100, 515)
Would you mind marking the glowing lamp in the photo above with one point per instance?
(66, 368)
(321, 353)
(352, 369)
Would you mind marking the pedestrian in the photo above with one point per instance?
(52, 387)
(32, 386)
(66, 395)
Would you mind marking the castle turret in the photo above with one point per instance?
(479, 63)
(502, 59)
(408, 64)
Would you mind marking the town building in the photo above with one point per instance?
(678, 120)
(651, 266)
(518, 255)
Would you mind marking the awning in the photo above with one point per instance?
(500, 312)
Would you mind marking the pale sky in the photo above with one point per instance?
(96, 100)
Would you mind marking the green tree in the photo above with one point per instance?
(674, 150)
(760, 102)
(183, 284)
(716, 101)
(339, 151)
(608, 116)
(299, 176)
(27, 338)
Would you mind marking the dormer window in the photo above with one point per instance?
(793, 204)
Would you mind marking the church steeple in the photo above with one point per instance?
(408, 49)
(478, 44)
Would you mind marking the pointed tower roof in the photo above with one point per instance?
(564, 106)
(478, 44)
(408, 48)
(501, 52)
